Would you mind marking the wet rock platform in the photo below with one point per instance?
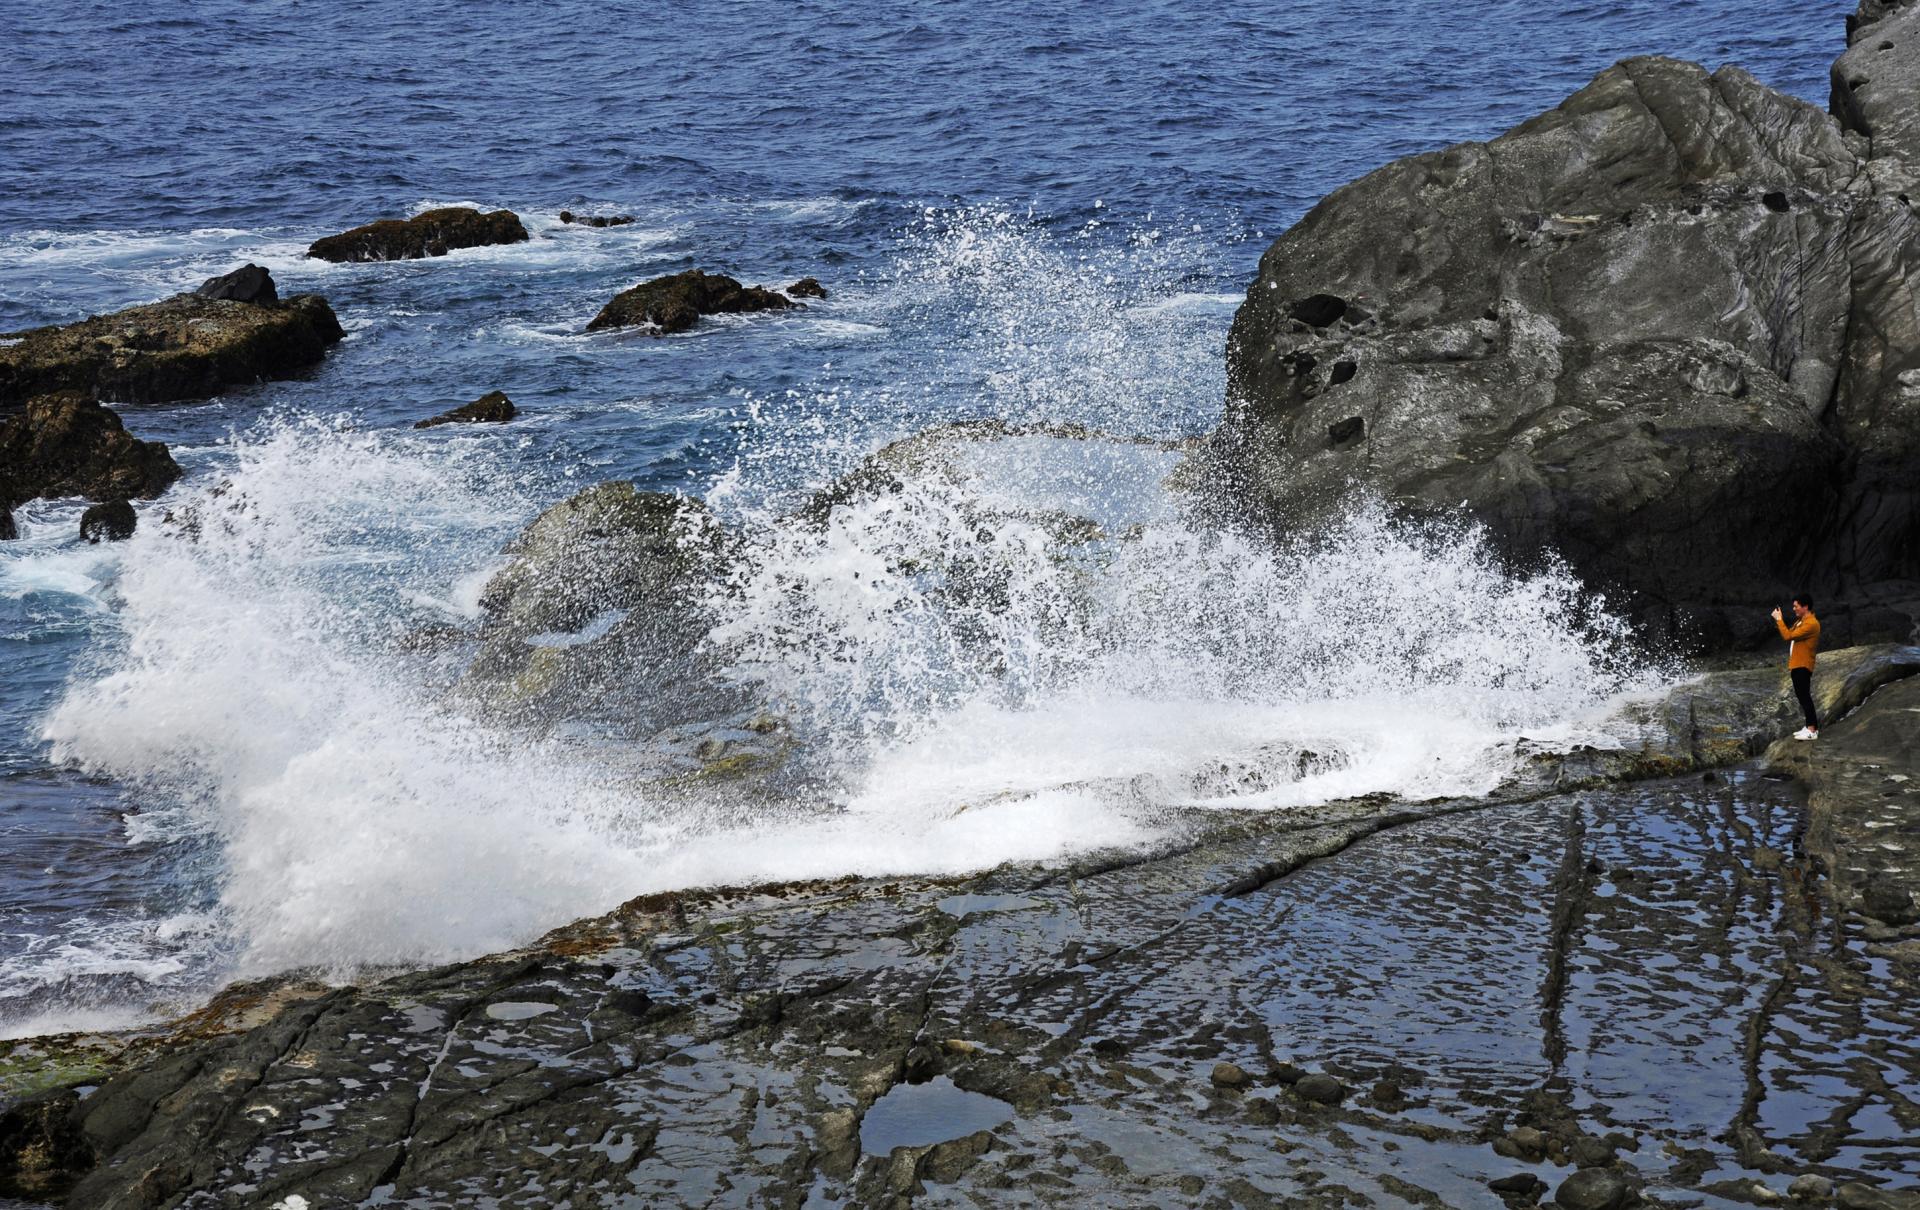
(1671, 990)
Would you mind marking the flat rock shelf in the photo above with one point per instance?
(1665, 986)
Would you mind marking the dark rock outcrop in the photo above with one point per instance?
(431, 233)
(9, 530)
(185, 347)
(1876, 83)
(1665, 330)
(807, 287)
(596, 220)
(249, 283)
(69, 445)
(491, 408)
(676, 302)
(113, 521)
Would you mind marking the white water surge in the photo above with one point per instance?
(1026, 651)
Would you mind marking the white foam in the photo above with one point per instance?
(973, 676)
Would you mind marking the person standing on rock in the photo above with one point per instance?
(1804, 637)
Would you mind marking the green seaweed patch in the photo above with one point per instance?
(32, 1066)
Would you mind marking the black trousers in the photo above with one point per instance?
(1803, 689)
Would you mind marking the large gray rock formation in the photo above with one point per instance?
(1667, 330)
(597, 613)
(1876, 83)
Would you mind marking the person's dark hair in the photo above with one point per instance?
(1806, 599)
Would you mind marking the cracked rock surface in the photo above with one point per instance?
(1657, 985)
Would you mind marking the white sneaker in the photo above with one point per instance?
(1806, 733)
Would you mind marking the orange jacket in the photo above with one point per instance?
(1805, 637)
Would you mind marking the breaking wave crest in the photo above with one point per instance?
(1004, 641)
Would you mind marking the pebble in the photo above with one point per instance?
(1229, 1075)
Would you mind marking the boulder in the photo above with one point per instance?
(807, 287)
(1664, 331)
(597, 615)
(113, 521)
(1876, 83)
(676, 302)
(596, 220)
(1320, 1088)
(1593, 1189)
(189, 346)
(430, 233)
(491, 408)
(69, 445)
(249, 283)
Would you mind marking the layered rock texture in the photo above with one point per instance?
(189, 346)
(1668, 330)
(429, 233)
(676, 302)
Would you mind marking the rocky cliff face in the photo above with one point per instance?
(1668, 330)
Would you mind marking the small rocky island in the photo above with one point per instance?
(58, 437)
(1667, 330)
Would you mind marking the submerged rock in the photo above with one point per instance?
(69, 445)
(1320, 1088)
(1661, 331)
(249, 283)
(676, 302)
(113, 521)
(186, 347)
(596, 220)
(430, 233)
(491, 408)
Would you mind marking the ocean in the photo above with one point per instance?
(222, 758)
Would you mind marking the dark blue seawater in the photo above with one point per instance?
(1036, 212)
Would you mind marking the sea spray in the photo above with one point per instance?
(934, 646)
(1014, 645)
(258, 700)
